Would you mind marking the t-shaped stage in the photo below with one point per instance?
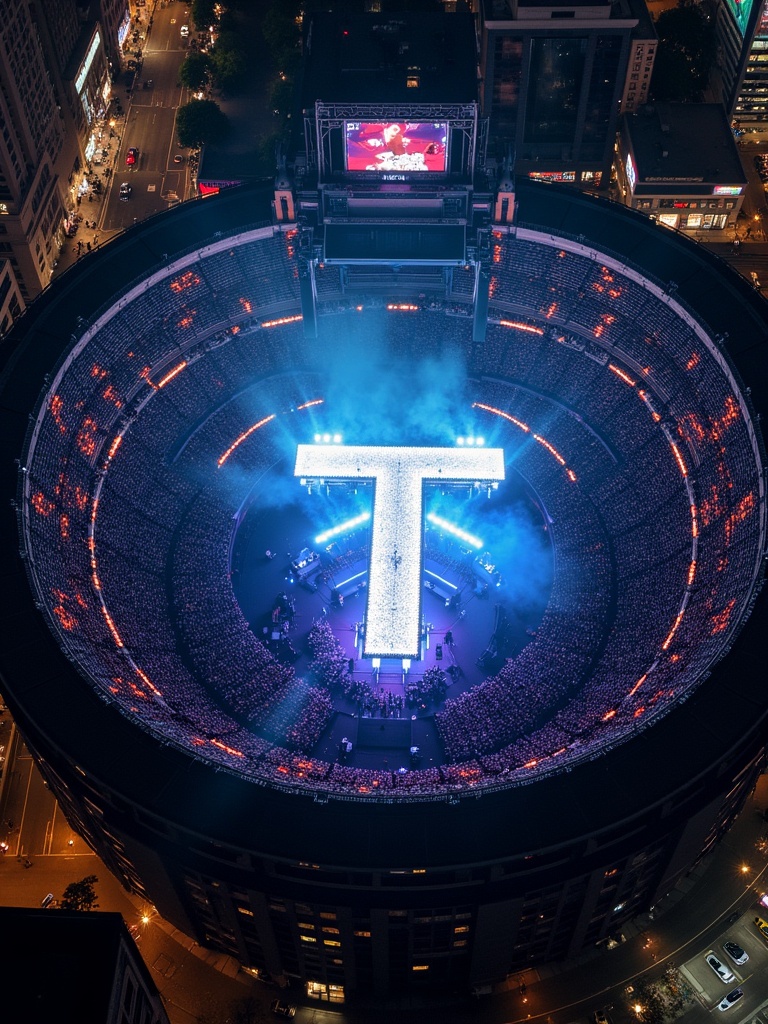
(393, 616)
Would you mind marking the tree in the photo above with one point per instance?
(203, 13)
(200, 122)
(80, 895)
(195, 70)
(686, 52)
(229, 67)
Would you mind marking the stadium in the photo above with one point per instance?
(578, 716)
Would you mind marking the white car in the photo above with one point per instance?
(730, 999)
(724, 973)
(184, 30)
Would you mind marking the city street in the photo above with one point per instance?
(155, 179)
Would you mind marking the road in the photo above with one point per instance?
(156, 180)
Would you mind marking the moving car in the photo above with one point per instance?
(762, 927)
(730, 999)
(125, 192)
(724, 973)
(282, 1009)
(184, 30)
(132, 156)
(735, 952)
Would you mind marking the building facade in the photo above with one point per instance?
(741, 75)
(679, 165)
(554, 77)
(11, 302)
(54, 91)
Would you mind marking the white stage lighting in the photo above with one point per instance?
(399, 474)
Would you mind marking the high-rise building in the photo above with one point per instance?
(555, 76)
(75, 965)
(54, 88)
(741, 75)
(11, 302)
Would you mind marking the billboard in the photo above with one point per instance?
(412, 146)
(740, 10)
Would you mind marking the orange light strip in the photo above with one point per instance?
(143, 676)
(315, 401)
(228, 750)
(282, 320)
(672, 631)
(238, 441)
(504, 415)
(112, 627)
(550, 449)
(169, 376)
(404, 306)
(528, 328)
(523, 426)
(691, 572)
(620, 373)
(115, 445)
(637, 685)
(679, 458)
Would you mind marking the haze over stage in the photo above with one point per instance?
(393, 615)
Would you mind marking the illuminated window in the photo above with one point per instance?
(420, 967)
(306, 926)
(330, 942)
(330, 931)
(326, 915)
(461, 928)
(245, 910)
(459, 942)
(308, 938)
(362, 935)
(412, 81)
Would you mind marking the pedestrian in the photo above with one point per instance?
(89, 246)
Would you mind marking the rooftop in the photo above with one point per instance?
(684, 142)
(407, 58)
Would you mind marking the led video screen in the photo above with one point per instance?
(395, 146)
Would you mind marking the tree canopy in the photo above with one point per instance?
(80, 895)
(200, 122)
(685, 54)
(203, 13)
(195, 70)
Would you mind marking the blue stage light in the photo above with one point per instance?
(443, 524)
(345, 527)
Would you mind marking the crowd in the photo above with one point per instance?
(164, 519)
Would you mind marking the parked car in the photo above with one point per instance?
(735, 952)
(125, 192)
(132, 156)
(730, 999)
(724, 973)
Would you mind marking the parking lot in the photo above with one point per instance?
(711, 985)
